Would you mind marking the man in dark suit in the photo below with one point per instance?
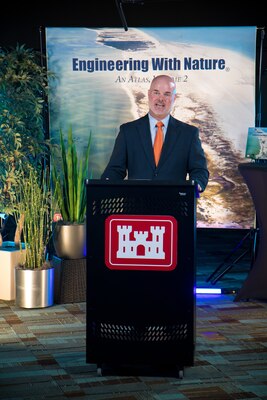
(182, 155)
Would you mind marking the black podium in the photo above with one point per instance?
(140, 274)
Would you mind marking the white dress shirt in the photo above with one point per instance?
(153, 127)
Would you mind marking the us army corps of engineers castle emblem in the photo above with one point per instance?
(141, 242)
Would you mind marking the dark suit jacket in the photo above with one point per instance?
(182, 154)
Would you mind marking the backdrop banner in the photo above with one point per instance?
(102, 79)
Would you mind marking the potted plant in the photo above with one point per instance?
(23, 108)
(34, 274)
(69, 172)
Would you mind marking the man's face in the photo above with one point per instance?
(161, 98)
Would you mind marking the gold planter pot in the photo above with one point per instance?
(69, 240)
(34, 288)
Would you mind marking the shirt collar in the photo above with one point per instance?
(153, 121)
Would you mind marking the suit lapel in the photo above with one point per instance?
(145, 139)
(172, 135)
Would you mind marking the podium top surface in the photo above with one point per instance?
(260, 166)
(137, 182)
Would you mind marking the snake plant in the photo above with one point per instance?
(69, 172)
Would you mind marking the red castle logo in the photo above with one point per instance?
(141, 242)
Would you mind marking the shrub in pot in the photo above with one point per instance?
(69, 172)
(23, 108)
(34, 276)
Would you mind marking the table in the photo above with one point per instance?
(255, 285)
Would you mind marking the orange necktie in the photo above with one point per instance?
(158, 142)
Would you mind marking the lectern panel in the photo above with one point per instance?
(140, 285)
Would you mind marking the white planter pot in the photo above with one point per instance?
(34, 288)
(10, 257)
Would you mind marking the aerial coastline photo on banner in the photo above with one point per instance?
(102, 79)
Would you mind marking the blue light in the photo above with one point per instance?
(208, 291)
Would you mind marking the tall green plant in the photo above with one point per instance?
(68, 177)
(34, 216)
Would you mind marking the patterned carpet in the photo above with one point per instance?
(42, 352)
